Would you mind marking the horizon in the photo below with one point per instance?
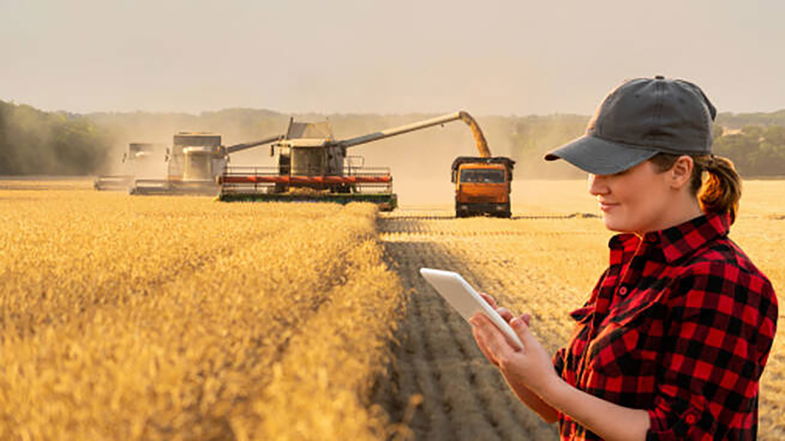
(200, 113)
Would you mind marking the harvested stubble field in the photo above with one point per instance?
(544, 260)
(183, 318)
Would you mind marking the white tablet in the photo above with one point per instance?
(465, 299)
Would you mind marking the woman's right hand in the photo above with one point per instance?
(507, 316)
(504, 312)
(545, 410)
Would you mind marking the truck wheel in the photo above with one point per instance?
(505, 213)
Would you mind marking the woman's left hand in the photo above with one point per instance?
(530, 367)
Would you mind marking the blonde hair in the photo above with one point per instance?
(720, 190)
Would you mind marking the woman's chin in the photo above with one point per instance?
(613, 223)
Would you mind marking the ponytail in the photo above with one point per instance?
(721, 189)
(719, 192)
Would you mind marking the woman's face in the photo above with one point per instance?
(636, 200)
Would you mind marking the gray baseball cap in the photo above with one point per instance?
(637, 120)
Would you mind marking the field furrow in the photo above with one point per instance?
(463, 396)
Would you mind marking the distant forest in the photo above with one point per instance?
(61, 143)
(49, 143)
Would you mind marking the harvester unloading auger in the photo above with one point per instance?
(313, 166)
(195, 162)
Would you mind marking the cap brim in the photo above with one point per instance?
(600, 157)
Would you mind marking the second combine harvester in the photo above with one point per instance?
(313, 165)
(195, 162)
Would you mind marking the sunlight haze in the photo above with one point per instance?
(492, 57)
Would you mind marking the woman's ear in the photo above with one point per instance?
(681, 172)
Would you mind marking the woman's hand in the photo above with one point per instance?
(530, 367)
(504, 312)
(506, 315)
(529, 373)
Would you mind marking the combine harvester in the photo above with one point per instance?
(313, 166)
(195, 162)
(139, 158)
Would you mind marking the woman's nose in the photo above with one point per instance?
(597, 185)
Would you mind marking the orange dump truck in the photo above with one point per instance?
(482, 185)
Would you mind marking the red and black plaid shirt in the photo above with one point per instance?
(680, 324)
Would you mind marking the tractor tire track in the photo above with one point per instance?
(463, 396)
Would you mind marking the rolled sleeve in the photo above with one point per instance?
(718, 339)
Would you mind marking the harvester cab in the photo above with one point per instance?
(309, 149)
(139, 157)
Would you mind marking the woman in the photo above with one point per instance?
(675, 335)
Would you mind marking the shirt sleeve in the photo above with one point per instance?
(717, 339)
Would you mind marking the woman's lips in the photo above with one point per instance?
(607, 206)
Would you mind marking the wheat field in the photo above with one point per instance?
(182, 318)
(188, 319)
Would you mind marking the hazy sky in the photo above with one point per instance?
(488, 57)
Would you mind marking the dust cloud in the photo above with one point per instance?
(419, 161)
(234, 125)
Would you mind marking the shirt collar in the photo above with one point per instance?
(681, 240)
(624, 241)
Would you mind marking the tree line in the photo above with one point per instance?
(33, 142)
(755, 150)
(61, 143)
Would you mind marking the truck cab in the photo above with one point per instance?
(482, 186)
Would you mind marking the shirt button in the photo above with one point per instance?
(690, 419)
(622, 290)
